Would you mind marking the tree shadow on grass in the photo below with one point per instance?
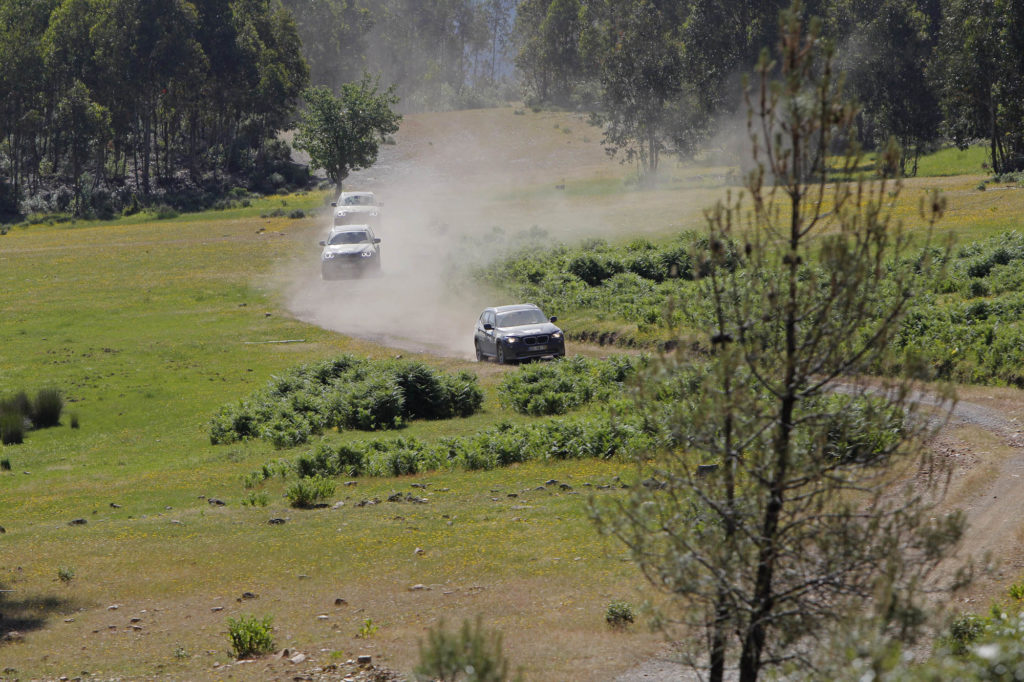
(21, 613)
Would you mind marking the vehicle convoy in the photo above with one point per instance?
(356, 208)
(510, 333)
(349, 251)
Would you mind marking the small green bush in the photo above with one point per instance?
(5, 464)
(73, 418)
(964, 631)
(309, 492)
(65, 573)
(165, 212)
(473, 654)
(619, 614)
(256, 499)
(367, 629)
(18, 403)
(250, 636)
(12, 428)
(47, 408)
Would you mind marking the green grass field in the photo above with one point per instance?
(147, 327)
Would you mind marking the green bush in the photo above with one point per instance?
(250, 636)
(17, 403)
(473, 654)
(309, 492)
(619, 614)
(593, 436)
(346, 393)
(12, 428)
(556, 387)
(964, 631)
(47, 408)
(65, 573)
(165, 212)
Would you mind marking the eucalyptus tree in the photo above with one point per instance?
(888, 53)
(549, 55)
(818, 507)
(646, 104)
(334, 38)
(978, 71)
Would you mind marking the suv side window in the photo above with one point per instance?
(489, 319)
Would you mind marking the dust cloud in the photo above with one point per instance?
(454, 188)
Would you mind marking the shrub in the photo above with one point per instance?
(367, 629)
(12, 428)
(1016, 591)
(599, 435)
(165, 212)
(65, 573)
(309, 492)
(256, 499)
(473, 654)
(964, 631)
(619, 614)
(5, 464)
(297, 213)
(346, 393)
(74, 420)
(47, 408)
(556, 387)
(18, 403)
(250, 636)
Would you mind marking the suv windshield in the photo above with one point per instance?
(357, 200)
(516, 318)
(356, 237)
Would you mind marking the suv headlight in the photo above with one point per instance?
(366, 254)
(510, 339)
(557, 335)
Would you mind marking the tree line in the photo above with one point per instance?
(666, 74)
(103, 101)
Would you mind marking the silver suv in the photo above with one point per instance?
(349, 251)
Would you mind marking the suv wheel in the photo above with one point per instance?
(479, 353)
(501, 354)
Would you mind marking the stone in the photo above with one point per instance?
(216, 502)
(340, 602)
(77, 522)
(298, 658)
(365, 659)
(277, 521)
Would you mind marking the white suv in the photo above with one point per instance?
(356, 208)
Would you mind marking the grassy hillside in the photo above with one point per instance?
(149, 326)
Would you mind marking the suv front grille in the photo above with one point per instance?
(534, 340)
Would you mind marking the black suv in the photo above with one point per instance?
(517, 332)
